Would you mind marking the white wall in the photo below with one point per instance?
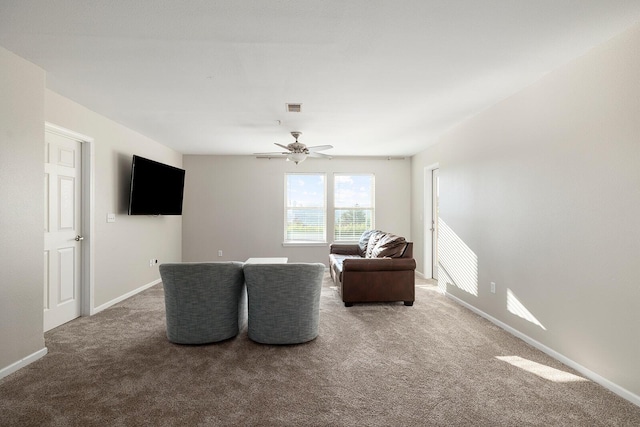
(544, 189)
(21, 209)
(236, 204)
(123, 248)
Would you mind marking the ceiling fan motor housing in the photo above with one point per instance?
(298, 152)
(298, 147)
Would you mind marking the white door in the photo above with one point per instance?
(62, 230)
(435, 193)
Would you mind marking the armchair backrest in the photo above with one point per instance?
(202, 300)
(284, 301)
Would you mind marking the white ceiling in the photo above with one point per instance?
(375, 77)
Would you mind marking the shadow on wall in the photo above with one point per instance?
(122, 182)
(457, 263)
(458, 267)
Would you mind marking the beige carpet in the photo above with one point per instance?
(433, 364)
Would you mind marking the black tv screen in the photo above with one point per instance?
(156, 188)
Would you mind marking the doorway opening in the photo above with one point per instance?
(435, 214)
(68, 226)
(430, 221)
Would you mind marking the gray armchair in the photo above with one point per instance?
(284, 302)
(203, 301)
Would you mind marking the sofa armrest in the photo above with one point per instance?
(344, 249)
(378, 264)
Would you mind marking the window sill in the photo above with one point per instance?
(305, 243)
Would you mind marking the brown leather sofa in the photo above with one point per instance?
(379, 268)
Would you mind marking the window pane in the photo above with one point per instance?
(353, 190)
(305, 207)
(305, 224)
(351, 223)
(353, 205)
(305, 190)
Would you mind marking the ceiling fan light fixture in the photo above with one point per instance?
(296, 157)
(296, 151)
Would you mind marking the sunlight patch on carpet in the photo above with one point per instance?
(543, 371)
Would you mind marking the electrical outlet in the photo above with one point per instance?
(493, 287)
(151, 263)
(219, 253)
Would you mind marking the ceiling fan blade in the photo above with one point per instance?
(315, 154)
(274, 153)
(319, 147)
(283, 146)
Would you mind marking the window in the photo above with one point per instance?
(354, 204)
(305, 210)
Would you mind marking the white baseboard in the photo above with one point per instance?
(125, 296)
(615, 388)
(22, 362)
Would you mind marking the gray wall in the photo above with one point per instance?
(123, 248)
(236, 204)
(543, 190)
(21, 208)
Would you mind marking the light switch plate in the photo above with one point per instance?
(111, 217)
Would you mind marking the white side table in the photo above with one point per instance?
(266, 261)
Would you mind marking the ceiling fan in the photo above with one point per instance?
(297, 152)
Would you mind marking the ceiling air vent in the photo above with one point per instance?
(294, 108)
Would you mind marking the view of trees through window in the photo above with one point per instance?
(353, 205)
(305, 207)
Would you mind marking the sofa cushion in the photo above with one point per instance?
(389, 245)
(363, 243)
(335, 266)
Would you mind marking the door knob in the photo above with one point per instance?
(79, 238)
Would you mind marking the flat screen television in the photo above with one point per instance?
(156, 188)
